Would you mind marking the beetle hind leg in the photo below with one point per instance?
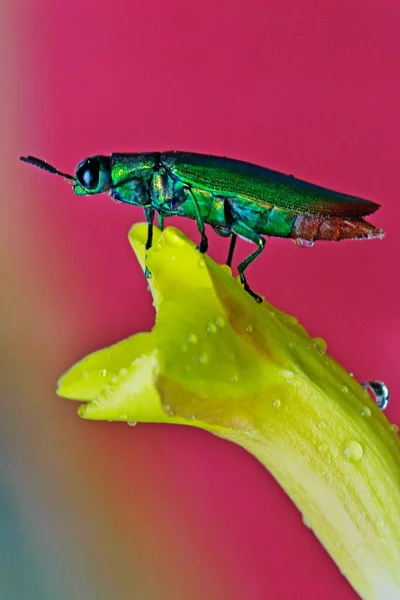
(245, 232)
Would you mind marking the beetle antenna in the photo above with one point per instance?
(42, 164)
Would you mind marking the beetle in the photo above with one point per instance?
(236, 198)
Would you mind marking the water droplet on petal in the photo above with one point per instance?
(378, 391)
(351, 374)
(103, 372)
(211, 328)
(353, 451)
(395, 428)
(320, 344)
(276, 404)
(201, 263)
(302, 243)
(114, 379)
(321, 425)
(192, 339)
(167, 408)
(291, 345)
(123, 372)
(123, 417)
(345, 389)
(306, 521)
(220, 322)
(234, 377)
(249, 328)
(323, 448)
(366, 411)
(132, 423)
(203, 359)
(360, 549)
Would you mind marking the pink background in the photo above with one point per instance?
(99, 510)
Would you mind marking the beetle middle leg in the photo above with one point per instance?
(231, 249)
(239, 228)
(203, 247)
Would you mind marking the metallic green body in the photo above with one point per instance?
(267, 201)
(234, 197)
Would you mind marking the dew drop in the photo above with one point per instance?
(203, 359)
(381, 523)
(321, 425)
(192, 339)
(220, 322)
(103, 372)
(345, 389)
(366, 411)
(291, 345)
(306, 521)
(167, 408)
(323, 448)
(276, 404)
(211, 328)
(123, 372)
(353, 451)
(201, 263)
(351, 374)
(320, 344)
(113, 379)
(395, 428)
(271, 313)
(132, 423)
(123, 417)
(249, 328)
(234, 377)
(302, 243)
(378, 391)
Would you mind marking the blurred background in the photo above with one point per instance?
(95, 511)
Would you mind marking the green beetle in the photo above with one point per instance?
(234, 197)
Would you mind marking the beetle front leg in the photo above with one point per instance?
(200, 223)
(149, 214)
(245, 232)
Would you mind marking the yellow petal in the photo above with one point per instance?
(250, 373)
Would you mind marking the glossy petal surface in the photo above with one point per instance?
(250, 373)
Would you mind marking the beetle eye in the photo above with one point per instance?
(88, 174)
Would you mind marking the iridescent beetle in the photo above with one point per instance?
(234, 197)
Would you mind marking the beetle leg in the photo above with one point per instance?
(160, 221)
(200, 224)
(231, 249)
(149, 214)
(248, 234)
